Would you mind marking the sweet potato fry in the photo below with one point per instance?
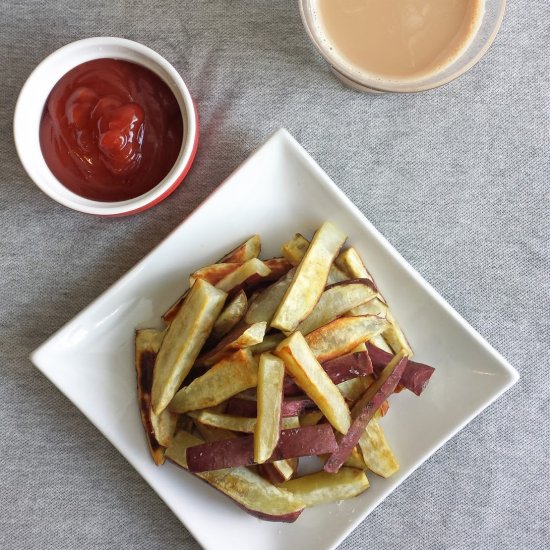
(213, 273)
(292, 406)
(355, 459)
(354, 388)
(231, 375)
(311, 418)
(394, 336)
(232, 313)
(295, 406)
(416, 375)
(349, 261)
(242, 406)
(169, 315)
(380, 343)
(293, 443)
(250, 491)
(278, 267)
(339, 370)
(244, 252)
(364, 410)
(184, 338)
(208, 433)
(240, 337)
(322, 487)
(271, 371)
(342, 335)
(335, 301)
(158, 429)
(279, 471)
(242, 273)
(372, 307)
(263, 306)
(224, 421)
(348, 366)
(336, 275)
(235, 423)
(377, 454)
(310, 278)
(311, 377)
(295, 249)
(269, 343)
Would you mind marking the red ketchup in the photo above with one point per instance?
(111, 130)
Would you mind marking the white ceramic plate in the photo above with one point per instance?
(277, 192)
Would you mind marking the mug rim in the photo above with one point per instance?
(377, 86)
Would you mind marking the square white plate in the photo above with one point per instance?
(277, 192)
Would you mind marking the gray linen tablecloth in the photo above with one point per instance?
(457, 179)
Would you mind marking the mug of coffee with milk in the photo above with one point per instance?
(401, 45)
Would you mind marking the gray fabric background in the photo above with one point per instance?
(456, 178)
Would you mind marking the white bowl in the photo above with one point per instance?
(33, 96)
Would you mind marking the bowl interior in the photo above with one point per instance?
(490, 24)
(36, 90)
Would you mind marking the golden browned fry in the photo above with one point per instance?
(312, 378)
(321, 487)
(350, 262)
(183, 341)
(271, 371)
(342, 335)
(377, 454)
(354, 388)
(242, 273)
(231, 375)
(263, 306)
(255, 494)
(213, 273)
(159, 429)
(295, 249)
(310, 278)
(395, 338)
(246, 251)
(239, 338)
(232, 313)
(335, 301)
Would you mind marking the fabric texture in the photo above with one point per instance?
(456, 178)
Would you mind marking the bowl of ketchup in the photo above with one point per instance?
(106, 126)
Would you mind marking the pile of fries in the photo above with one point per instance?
(265, 362)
